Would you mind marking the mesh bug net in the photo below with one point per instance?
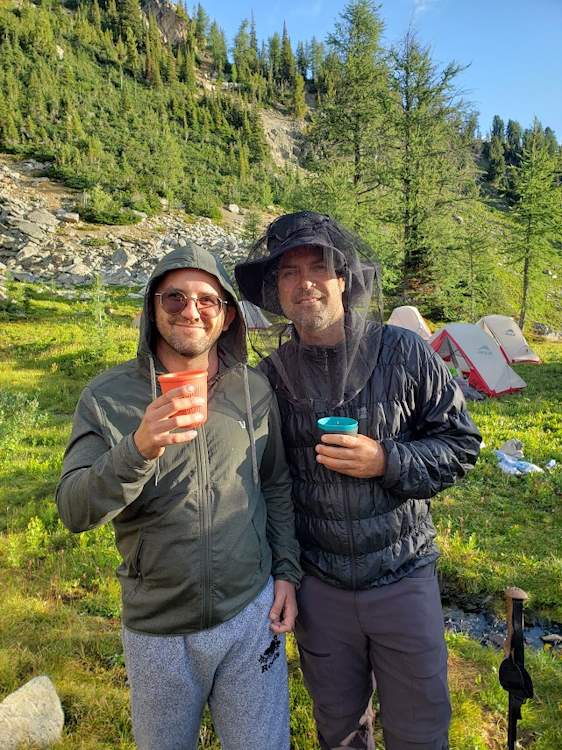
(319, 286)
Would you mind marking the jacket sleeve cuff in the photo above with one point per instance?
(291, 574)
(130, 458)
(392, 471)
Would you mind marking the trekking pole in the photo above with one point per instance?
(513, 676)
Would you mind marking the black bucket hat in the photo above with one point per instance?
(301, 229)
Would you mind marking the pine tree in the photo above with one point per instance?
(432, 167)
(469, 282)
(550, 140)
(121, 57)
(302, 60)
(274, 53)
(514, 133)
(498, 130)
(95, 14)
(348, 122)
(129, 17)
(299, 104)
(496, 169)
(217, 48)
(112, 17)
(242, 53)
(537, 210)
(133, 59)
(253, 45)
(201, 27)
(317, 54)
(288, 65)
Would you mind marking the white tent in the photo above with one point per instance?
(510, 339)
(478, 357)
(409, 317)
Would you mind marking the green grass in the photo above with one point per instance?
(60, 613)
(497, 530)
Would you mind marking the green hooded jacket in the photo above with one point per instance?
(201, 528)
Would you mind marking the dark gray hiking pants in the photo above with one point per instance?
(394, 633)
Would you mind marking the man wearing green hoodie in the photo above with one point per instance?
(202, 516)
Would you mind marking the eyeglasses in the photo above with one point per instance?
(174, 302)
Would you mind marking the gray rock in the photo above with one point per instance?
(32, 715)
(122, 257)
(496, 639)
(233, 208)
(31, 251)
(19, 275)
(31, 165)
(552, 638)
(70, 217)
(78, 268)
(43, 217)
(7, 241)
(31, 230)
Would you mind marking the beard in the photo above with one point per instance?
(189, 347)
(312, 321)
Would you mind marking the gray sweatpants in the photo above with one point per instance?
(394, 633)
(239, 668)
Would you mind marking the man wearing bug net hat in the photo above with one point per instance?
(369, 604)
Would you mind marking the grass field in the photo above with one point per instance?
(60, 599)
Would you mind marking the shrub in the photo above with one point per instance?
(103, 208)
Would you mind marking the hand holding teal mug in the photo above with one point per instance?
(338, 425)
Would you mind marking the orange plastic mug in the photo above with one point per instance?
(195, 378)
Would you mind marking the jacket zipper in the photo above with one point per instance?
(346, 505)
(205, 521)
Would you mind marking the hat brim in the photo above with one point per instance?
(250, 275)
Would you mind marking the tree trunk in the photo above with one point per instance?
(523, 312)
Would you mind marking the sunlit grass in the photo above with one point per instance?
(60, 613)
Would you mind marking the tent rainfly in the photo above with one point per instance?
(253, 316)
(478, 357)
(509, 338)
(409, 317)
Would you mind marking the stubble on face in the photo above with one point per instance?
(310, 291)
(184, 334)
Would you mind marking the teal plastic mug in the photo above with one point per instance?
(338, 425)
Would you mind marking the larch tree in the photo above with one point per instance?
(348, 123)
(431, 168)
(537, 210)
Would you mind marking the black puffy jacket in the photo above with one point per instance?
(362, 533)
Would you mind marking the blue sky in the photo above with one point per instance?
(513, 47)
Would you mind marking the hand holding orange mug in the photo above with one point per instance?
(177, 408)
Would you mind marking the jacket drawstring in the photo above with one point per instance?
(154, 396)
(250, 419)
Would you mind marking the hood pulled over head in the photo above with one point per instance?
(186, 254)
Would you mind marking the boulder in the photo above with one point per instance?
(32, 715)
(122, 257)
(70, 217)
(31, 251)
(30, 229)
(43, 217)
(233, 208)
